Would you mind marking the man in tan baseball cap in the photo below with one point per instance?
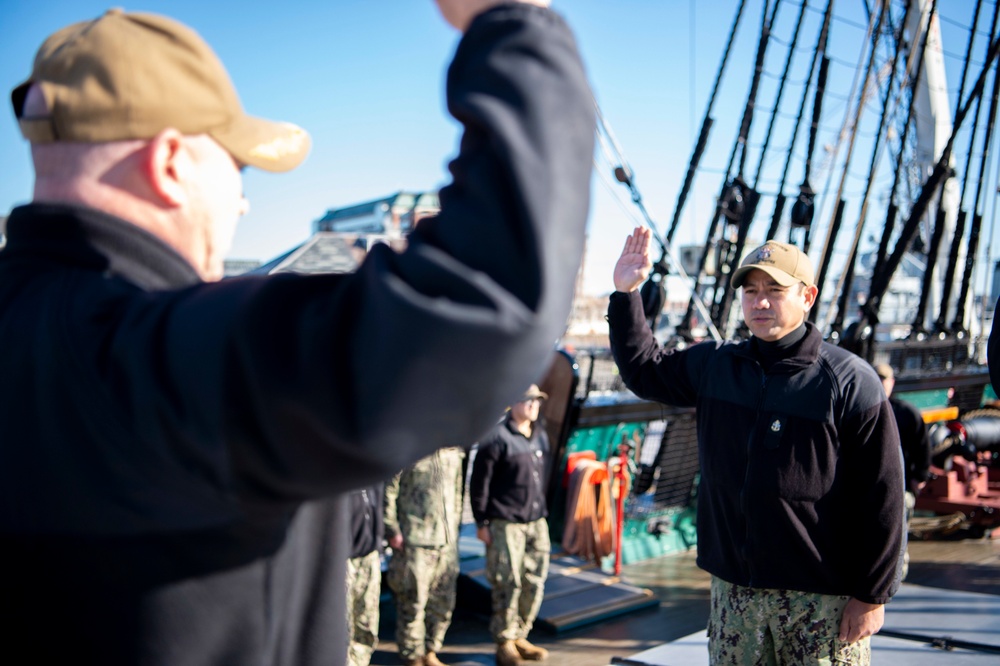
(784, 418)
(785, 263)
(777, 290)
(96, 87)
(176, 449)
(127, 94)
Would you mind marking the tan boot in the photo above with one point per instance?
(507, 654)
(529, 651)
(431, 659)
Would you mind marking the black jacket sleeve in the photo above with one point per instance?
(312, 385)
(647, 370)
(873, 461)
(482, 477)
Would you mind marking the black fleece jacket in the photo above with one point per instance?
(173, 455)
(367, 527)
(509, 475)
(801, 472)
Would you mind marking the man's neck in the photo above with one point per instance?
(523, 427)
(770, 352)
(134, 210)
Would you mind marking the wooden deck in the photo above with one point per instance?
(966, 565)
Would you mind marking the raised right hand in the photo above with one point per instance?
(635, 261)
(460, 13)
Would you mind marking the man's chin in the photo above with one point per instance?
(763, 332)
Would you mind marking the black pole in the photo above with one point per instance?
(805, 189)
(838, 218)
(728, 186)
(781, 91)
(804, 207)
(779, 208)
(834, 230)
(699, 150)
(917, 330)
(958, 325)
(848, 276)
(940, 324)
(880, 281)
(725, 299)
(765, 37)
(706, 126)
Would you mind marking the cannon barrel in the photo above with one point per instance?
(976, 431)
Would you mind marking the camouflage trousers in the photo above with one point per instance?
(751, 626)
(424, 581)
(364, 587)
(517, 563)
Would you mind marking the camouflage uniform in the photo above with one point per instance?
(751, 626)
(364, 576)
(517, 563)
(423, 503)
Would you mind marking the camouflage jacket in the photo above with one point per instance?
(424, 501)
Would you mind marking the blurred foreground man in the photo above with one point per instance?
(800, 505)
(169, 445)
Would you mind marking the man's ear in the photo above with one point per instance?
(167, 166)
(810, 294)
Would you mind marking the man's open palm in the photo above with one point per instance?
(634, 263)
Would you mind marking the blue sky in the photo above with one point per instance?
(365, 77)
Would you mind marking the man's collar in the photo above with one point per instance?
(92, 239)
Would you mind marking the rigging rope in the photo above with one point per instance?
(843, 134)
(911, 115)
(706, 127)
(831, 237)
(880, 282)
(977, 218)
(805, 188)
(846, 280)
(638, 221)
(781, 91)
(940, 324)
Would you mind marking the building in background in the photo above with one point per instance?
(394, 216)
(343, 236)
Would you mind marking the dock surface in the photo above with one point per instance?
(683, 591)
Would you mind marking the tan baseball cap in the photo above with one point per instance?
(786, 263)
(535, 392)
(129, 76)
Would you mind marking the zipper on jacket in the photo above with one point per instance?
(744, 499)
(368, 505)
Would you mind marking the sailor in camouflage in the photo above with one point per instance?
(423, 510)
(507, 496)
(364, 576)
(752, 626)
